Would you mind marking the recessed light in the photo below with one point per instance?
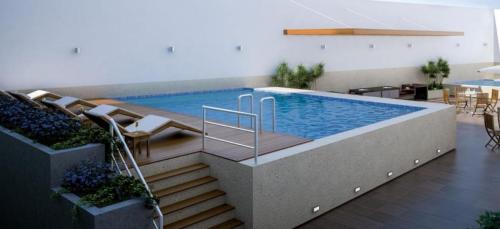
(171, 49)
(389, 174)
(357, 189)
(316, 209)
(438, 150)
(417, 161)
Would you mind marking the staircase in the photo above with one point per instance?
(189, 196)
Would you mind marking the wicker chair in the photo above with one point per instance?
(482, 102)
(493, 100)
(494, 134)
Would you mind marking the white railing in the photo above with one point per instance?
(250, 96)
(115, 131)
(261, 121)
(254, 130)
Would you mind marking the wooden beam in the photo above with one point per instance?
(369, 32)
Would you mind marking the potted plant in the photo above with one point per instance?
(444, 71)
(431, 70)
(301, 77)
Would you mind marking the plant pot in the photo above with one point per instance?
(435, 94)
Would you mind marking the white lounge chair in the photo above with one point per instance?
(64, 104)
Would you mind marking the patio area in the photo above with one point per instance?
(449, 192)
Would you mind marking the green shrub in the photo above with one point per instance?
(121, 188)
(489, 220)
(301, 77)
(85, 135)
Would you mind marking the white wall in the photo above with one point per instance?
(125, 41)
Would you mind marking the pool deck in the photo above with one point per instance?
(173, 143)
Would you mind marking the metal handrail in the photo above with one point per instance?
(255, 129)
(273, 100)
(239, 106)
(115, 130)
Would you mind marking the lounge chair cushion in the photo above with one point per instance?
(66, 101)
(103, 109)
(37, 94)
(148, 124)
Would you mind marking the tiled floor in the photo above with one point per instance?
(449, 192)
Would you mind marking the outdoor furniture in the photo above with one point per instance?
(493, 100)
(494, 134)
(136, 138)
(102, 109)
(482, 102)
(414, 91)
(37, 95)
(6, 94)
(142, 129)
(383, 91)
(446, 96)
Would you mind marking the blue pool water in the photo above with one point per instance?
(306, 116)
(482, 82)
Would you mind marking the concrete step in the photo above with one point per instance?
(205, 219)
(186, 190)
(177, 176)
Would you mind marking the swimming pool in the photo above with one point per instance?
(301, 115)
(481, 82)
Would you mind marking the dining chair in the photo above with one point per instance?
(493, 100)
(494, 134)
(461, 100)
(482, 102)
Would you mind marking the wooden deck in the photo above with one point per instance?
(174, 142)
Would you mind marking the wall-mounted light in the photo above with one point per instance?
(323, 47)
(409, 45)
(389, 174)
(76, 50)
(357, 189)
(485, 44)
(171, 49)
(416, 161)
(438, 151)
(458, 44)
(239, 48)
(372, 46)
(315, 209)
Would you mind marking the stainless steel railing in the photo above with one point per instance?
(261, 111)
(254, 130)
(115, 131)
(241, 97)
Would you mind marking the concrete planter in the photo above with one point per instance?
(435, 94)
(127, 214)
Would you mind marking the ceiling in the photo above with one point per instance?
(473, 3)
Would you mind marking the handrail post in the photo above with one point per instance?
(204, 128)
(251, 106)
(261, 112)
(256, 140)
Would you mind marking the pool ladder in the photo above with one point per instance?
(261, 111)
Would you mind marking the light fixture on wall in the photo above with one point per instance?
(323, 46)
(372, 46)
(458, 44)
(357, 189)
(171, 49)
(416, 162)
(389, 174)
(76, 50)
(485, 44)
(239, 48)
(409, 45)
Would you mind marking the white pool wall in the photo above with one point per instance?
(281, 191)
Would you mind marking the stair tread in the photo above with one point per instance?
(232, 223)
(200, 217)
(184, 186)
(191, 201)
(175, 172)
